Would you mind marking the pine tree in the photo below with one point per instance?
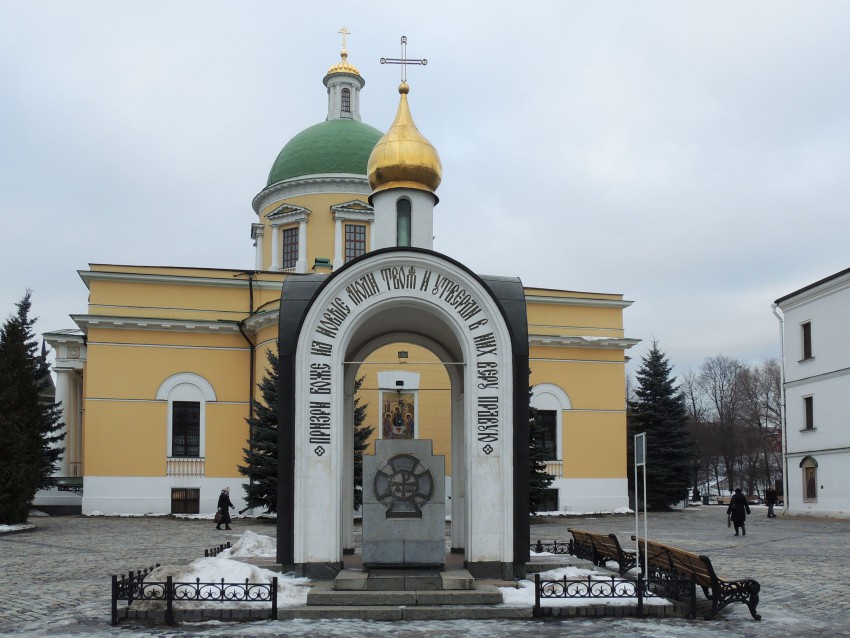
(261, 455)
(361, 436)
(659, 411)
(538, 454)
(30, 430)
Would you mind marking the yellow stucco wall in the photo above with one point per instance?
(126, 428)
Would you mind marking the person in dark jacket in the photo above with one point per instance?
(738, 510)
(224, 506)
(770, 498)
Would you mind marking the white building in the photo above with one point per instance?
(816, 383)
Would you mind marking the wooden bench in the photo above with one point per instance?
(666, 561)
(600, 548)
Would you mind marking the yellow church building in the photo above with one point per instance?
(157, 379)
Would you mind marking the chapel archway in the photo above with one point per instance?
(477, 326)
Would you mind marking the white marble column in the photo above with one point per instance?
(67, 392)
(458, 475)
(338, 241)
(301, 266)
(258, 255)
(348, 476)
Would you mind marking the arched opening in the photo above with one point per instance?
(329, 327)
(809, 467)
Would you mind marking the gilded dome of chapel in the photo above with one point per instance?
(403, 157)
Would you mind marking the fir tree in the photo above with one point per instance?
(361, 437)
(261, 455)
(659, 411)
(30, 430)
(538, 454)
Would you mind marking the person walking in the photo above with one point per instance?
(738, 510)
(770, 498)
(224, 506)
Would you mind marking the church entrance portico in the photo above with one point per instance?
(328, 325)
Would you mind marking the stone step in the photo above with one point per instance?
(324, 594)
(402, 580)
(417, 612)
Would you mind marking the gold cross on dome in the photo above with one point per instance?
(403, 60)
(344, 33)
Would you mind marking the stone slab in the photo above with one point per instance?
(323, 594)
(456, 579)
(351, 581)
(483, 612)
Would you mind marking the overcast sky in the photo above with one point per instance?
(694, 157)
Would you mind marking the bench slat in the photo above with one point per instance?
(673, 561)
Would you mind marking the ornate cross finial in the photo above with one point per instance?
(344, 33)
(403, 60)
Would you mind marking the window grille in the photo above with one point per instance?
(355, 241)
(185, 500)
(185, 428)
(290, 247)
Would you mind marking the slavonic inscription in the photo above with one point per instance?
(387, 280)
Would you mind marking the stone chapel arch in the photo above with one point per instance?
(328, 324)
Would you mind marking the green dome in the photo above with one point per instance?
(335, 146)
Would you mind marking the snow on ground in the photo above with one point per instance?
(15, 528)
(252, 544)
(291, 590)
(619, 510)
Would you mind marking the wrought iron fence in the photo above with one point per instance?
(171, 592)
(613, 587)
(134, 587)
(553, 547)
(127, 588)
(215, 551)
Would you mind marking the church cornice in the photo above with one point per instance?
(235, 281)
(579, 301)
(85, 322)
(312, 185)
(576, 341)
(260, 320)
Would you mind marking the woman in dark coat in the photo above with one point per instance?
(224, 506)
(738, 510)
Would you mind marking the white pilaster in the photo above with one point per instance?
(275, 265)
(258, 253)
(301, 265)
(338, 241)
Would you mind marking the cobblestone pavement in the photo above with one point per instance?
(55, 581)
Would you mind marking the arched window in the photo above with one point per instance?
(810, 479)
(403, 222)
(550, 401)
(187, 395)
(346, 101)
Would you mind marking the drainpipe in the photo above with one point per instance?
(782, 422)
(252, 361)
(251, 346)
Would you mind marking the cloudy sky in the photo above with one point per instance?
(694, 157)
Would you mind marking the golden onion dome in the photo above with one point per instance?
(343, 66)
(403, 158)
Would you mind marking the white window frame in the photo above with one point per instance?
(548, 396)
(186, 386)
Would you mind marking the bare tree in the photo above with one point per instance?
(720, 383)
